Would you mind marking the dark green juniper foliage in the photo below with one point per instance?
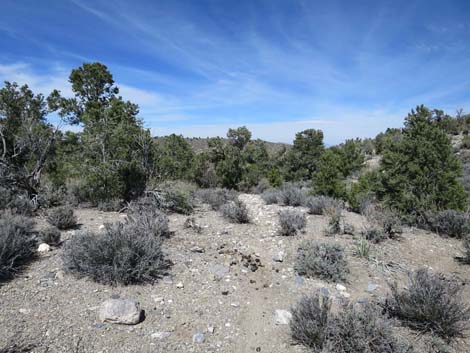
(421, 171)
(430, 303)
(322, 260)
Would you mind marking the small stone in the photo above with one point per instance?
(99, 325)
(340, 287)
(219, 271)
(299, 280)
(120, 311)
(197, 249)
(167, 280)
(24, 311)
(372, 287)
(43, 247)
(235, 305)
(282, 317)
(279, 257)
(101, 227)
(59, 274)
(180, 285)
(210, 329)
(345, 294)
(199, 337)
(161, 335)
(325, 291)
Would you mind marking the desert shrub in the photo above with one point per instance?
(125, 254)
(318, 205)
(430, 303)
(451, 223)
(190, 223)
(334, 222)
(323, 260)
(374, 234)
(351, 330)
(465, 142)
(291, 222)
(149, 221)
(113, 205)
(362, 330)
(50, 235)
(16, 201)
(271, 196)
(362, 248)
(216, 197)
(62, 217)
(290, 195)
(167, 201)
(17, 243)
(466, 249)
(235, 212)
(309, 324)
(261, 187)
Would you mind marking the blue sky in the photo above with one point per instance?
(196, 67)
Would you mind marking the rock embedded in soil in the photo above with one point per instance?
(120, 311)
(199, 337)
(282, 317)
(43, 248)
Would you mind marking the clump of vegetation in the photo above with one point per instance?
(190, 223)
(310, 318)
(290, 195)
(216, 197)
(17, 243)
(465, 142)
(374, 234)
(362, 330)
(271, 196)
(50, 236)
(114, 205)
(430, 303)
(235, 212)
(291, 222)
(16, 201)
(125, 254)
(452, 223)
(149, 221)
(352, 330)
(320, 205)
(362, 248)
(323, 260)
(62, 217)
(337, 223)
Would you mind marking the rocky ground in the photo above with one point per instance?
(226, 291)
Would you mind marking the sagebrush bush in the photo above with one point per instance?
(62, 217)
(319, 205)
(149, 221)
(309, 323)
(466, 250)
(170, 201)
(271, 196)
(334, 222)
(385, 220)
(124, 254)
(351, 330)
(323, 260)
(430, 303)
(235, 212)
(16, 201)
(374, 234)
(17, 243)
(114, 205)
(291, 222)
(50, 235)
(290, 195)
(216, 197)
(362, 330)
(452, 223)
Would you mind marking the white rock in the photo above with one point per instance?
(120, 311)
(161, 335)
(199, 338)
(340, 287)
(180, 285)
(345, 294)
(43, 247)
(282, 317)
(101, 227)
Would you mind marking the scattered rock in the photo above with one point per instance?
(120, 311)
(325, 291)
(101, 227)
(219, 271)
(299, 280)
(60, 274)
(24, 311)
(282, 317)
(180, 285)
(161, 335)
(197, 249)
(279, 257)
(340, 287)
(345, 295)
(372, 287)
(43, 248)
(199, 337)
(210, 329)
